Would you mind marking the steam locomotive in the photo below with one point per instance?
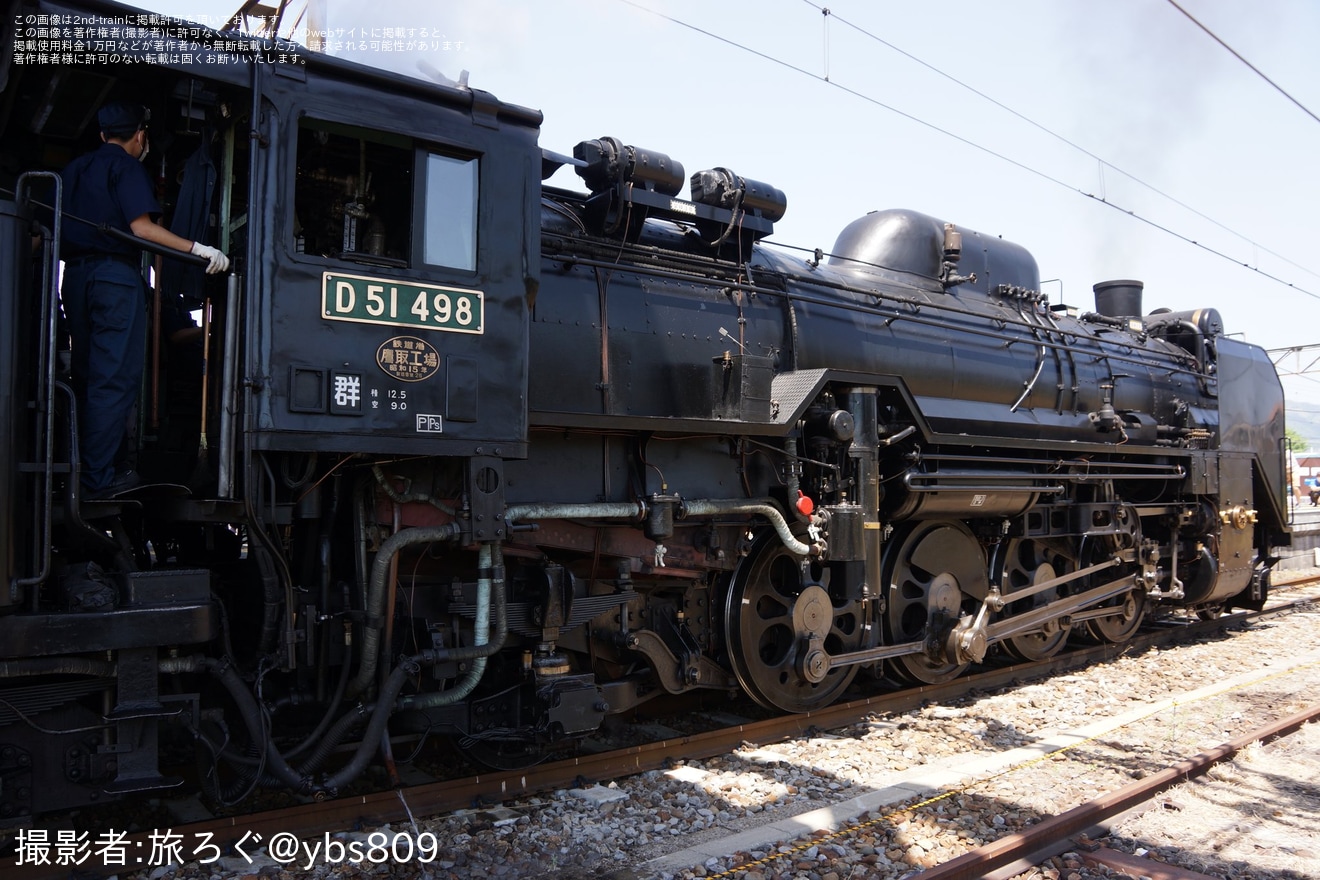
(461, 453)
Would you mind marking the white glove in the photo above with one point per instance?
(219, 262)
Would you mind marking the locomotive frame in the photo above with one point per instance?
(475, 455)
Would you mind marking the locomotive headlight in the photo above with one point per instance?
(610, 162)
(722, 188)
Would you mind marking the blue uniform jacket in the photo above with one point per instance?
(107, 186)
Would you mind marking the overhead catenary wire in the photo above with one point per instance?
(1239, 57)
(1104, 163)
(968, 142)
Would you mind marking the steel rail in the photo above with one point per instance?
(1020, 852)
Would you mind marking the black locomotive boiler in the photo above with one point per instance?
(477, 457)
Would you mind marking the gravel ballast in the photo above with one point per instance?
(840, 805)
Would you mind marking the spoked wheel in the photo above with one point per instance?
(1128, 609)
(780, 613)
(1124, 622)
(936, 572)
(1025, 563)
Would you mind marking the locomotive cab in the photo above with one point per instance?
(383, 241)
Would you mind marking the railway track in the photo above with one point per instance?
(1019, 852)
(485, 789)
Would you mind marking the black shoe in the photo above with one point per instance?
(87, 588)
(124, 481)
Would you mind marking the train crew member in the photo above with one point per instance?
(103, 293)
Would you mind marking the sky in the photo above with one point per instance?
(1138, 119)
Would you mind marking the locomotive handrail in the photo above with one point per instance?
(707, 262)
(228, 405)
(105, 228)
(46, 370)
(953, 477)
(1053, 462)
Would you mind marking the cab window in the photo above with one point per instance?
(361, 193)
(451, 212)
(353, 195)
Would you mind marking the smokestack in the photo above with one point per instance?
(1118, 299)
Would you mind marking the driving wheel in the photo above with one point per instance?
(1026, 563)
(782, 617)
(936, 573)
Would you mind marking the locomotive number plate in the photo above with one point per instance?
(365, 300)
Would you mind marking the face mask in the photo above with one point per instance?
(146, 148)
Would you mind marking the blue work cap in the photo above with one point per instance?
(121, 120)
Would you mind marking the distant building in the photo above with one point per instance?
(1306, 473)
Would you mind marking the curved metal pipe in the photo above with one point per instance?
(248, 709)
(490, 588)
(371, 637)
(1031, 383)
(755, 506)
(377, 713)
(380, 714)
(698, 507)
